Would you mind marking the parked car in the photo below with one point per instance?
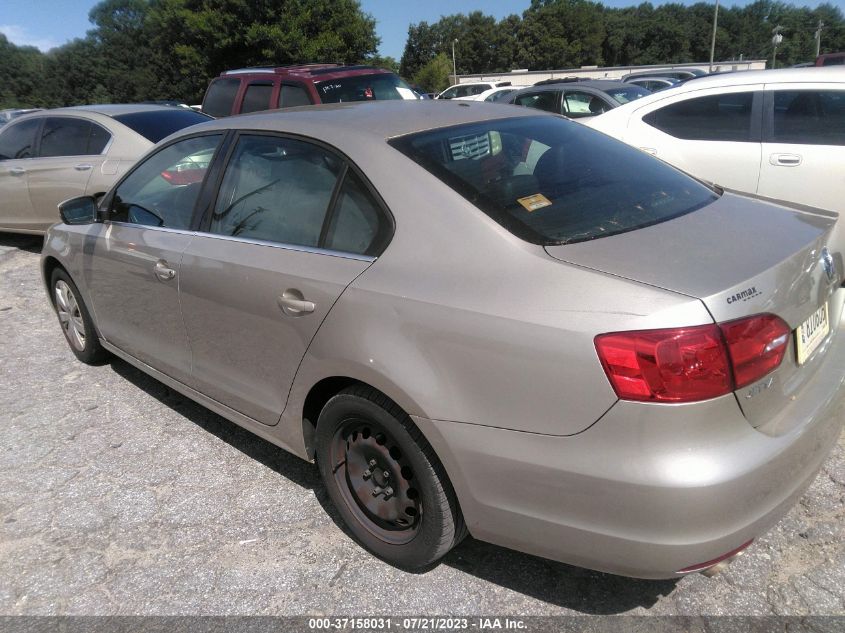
(492, 95)
(777, 133)
(830, 59)
(680, 75)
(478, 319)
(654, 84)
(53, 155)
(470, 89)
(577, 99)
(253, 89)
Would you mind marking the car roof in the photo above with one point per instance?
(781, 75)
(597, 84)
(376, 120)
(111, 109)
(313, 72)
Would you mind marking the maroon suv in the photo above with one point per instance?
(253, 89)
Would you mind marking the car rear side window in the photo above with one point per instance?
(277, 190)
(546, 100)
(356, 221)
(18, 140)
(292, 96)
(220, 97)
(551, 181)
(811, 117)
(155, 125)
(66, 136)
(257, 97)
(725, 117)
(162, 191)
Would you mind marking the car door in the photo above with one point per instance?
(714, 134)
(17, 150)
(69, 151)
(134, 257)
(804, 145)
(292, 226)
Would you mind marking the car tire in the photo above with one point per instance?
(75, 319)
(385, 480)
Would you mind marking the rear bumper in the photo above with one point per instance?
(647, 490)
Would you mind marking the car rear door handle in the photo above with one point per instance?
(82, 167)
(293, 303)
(785, 160)
(163, 271)
(17, 171)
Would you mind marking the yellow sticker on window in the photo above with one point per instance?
(532, 203)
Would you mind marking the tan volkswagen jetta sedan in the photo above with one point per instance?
(53, 155)
(477, 318)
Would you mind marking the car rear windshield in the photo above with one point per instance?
(364, 88)
(553, 181)
(154, 125)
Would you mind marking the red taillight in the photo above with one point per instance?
(674, 365)
(692, 363)
(757, 345)
(184, 176)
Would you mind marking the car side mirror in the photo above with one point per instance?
(81, 210)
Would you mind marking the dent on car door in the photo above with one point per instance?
(715, 137)
(69, 151)
(17, 150)
(291, 228)
(133, 261)
(804, 145)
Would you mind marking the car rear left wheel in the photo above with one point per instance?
(385, 480)
(75, 320)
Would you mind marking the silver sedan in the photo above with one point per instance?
(476, 319)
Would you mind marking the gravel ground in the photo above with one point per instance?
(119, 496)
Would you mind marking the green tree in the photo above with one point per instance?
(434, 76)
(197, 39)
(560, 34)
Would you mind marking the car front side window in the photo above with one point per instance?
(18, 140)
(809, 117)
(277, 190)
(162, 191)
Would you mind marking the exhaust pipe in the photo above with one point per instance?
(712, 567)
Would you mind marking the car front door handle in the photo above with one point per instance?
(17, 171)
(785, 160)
(163, 271)
(82, 167)
(294, 304)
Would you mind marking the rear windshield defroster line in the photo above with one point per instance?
(551, 181)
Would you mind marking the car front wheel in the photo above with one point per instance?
(75, 320)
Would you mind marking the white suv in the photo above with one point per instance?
(470, 89)
(777, 133)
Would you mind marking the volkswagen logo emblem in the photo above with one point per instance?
(828, 264)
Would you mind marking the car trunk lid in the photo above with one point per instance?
(740, 256)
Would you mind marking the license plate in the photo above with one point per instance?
(811, 333)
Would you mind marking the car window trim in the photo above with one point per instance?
(105, 206)
(387, 223)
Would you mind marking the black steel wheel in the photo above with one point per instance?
(385, 480)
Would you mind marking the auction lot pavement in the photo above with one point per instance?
(119, 496)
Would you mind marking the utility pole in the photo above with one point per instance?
(777, 38)
(818, 36)
(713, 41)
(454, 63)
